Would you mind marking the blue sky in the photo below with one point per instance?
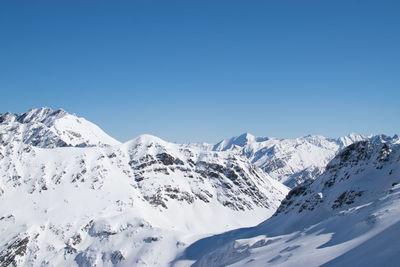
(206, 70)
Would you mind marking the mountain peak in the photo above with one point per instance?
(291, 161)
(240, 141)
(44, 115)
(48, 128)
(243, 139)
(145, 139)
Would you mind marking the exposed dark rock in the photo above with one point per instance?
(70, 250)
(156, 200)
(347, 198)
(177, 161)
(116, 257)
(165, 158)
(76, 239)
(14, 249)
(102, 232)
(112, 155)
(87, 226)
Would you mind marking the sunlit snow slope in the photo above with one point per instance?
(349, 216)
(73, 196)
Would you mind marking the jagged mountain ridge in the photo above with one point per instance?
(291, 161)
(97, 203)
(348, 216)
(48, 128)
(239, 179)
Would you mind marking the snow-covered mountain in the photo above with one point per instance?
(47, 128)
(349, 216)
(290, 161)
(74, 196)
(166, 167)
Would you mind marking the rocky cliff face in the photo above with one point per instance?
(362, 170)
(166, 171)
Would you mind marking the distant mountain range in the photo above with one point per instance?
(290, 161)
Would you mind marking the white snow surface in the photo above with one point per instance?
(349, 216)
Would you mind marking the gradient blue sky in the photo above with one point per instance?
(206, 70)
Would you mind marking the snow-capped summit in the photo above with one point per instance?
(43, 115)
(146, 143)
(350, 139)
(290, 161)
(48, 128)
(240, 141)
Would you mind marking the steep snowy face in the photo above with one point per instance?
(47, 128)
(72, 206)
(291, 161)
(360, 173)
(349, 215)
(131, 204)
(166, 171)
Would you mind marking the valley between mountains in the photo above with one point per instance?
(71, 195)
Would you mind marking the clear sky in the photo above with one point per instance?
(206, 70)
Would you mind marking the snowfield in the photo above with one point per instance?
(73, 196)
(349, 216)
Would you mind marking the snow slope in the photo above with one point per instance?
(290, 161)
(85, 199)
(349, 216)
